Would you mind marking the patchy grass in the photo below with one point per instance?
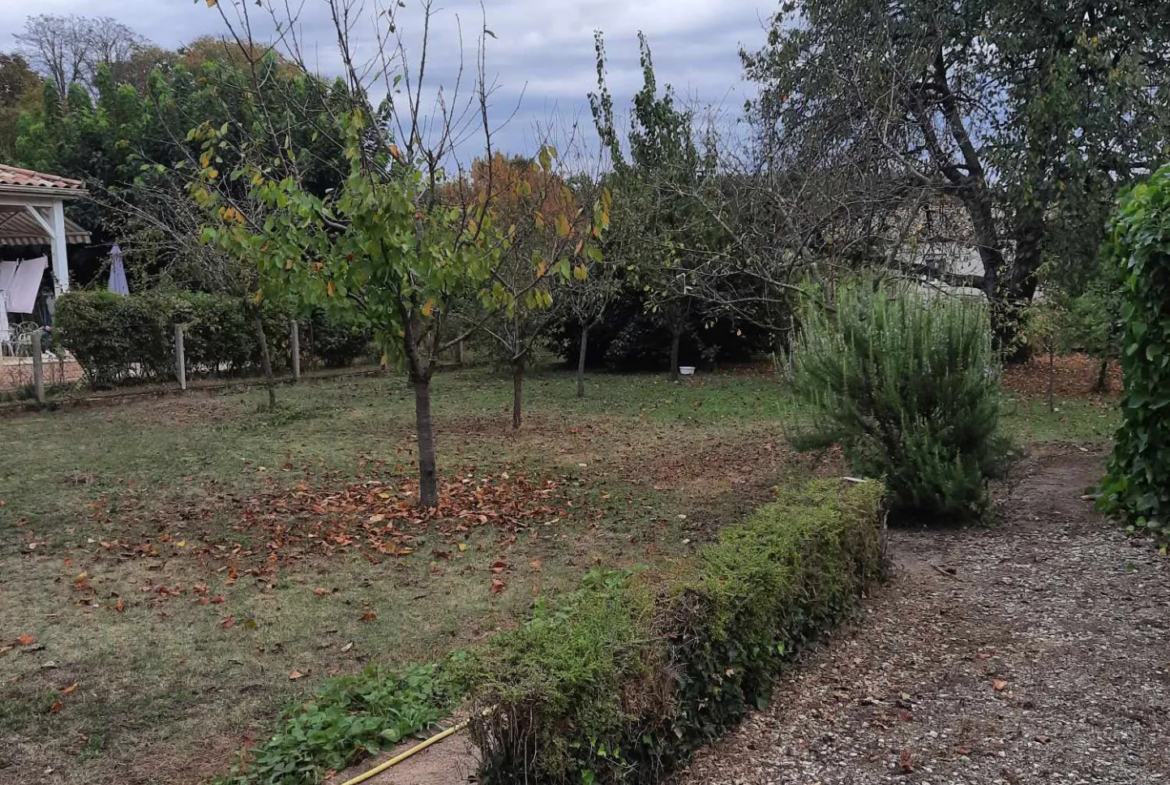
(136, 542)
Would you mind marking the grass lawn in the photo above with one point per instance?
(167, 565)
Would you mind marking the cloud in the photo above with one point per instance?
(541, 60)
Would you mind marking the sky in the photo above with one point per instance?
(540, 61)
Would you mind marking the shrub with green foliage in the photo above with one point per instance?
(115, 338)
(908, 386)
(118, 339)
(350, 717)
(337, 341)
(1137, 485)
(627, 677)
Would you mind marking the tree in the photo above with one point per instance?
(551, 238)
(20, 91)
(661, 230)
(1031, 115)
(401, 240)
(584, 298)
(70, 49)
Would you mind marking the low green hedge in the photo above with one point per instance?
(118, 339)
(628, 676)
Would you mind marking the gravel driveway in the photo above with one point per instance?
(1034, 651)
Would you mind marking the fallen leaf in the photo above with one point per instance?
(347, 647)
(368, 616)
(295, 675)
(319, 591)
(999, 685)
(118, 606)
(498, 586)
(217, 600)
(906, 762)
(227, 622)
(462, 546)
(499, 566)
(56, 706)
(536, 564)
(27, 640)
(70, 689)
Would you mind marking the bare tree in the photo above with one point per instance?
(69, 49)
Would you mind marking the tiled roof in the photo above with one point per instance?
(11, 176)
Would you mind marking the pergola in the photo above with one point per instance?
(32, 213)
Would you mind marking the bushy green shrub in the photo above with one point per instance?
(336, 341)
(350, 717)
(1137, 485)
(627, 677)
(115, 338)
(120, 339)
(909, 387)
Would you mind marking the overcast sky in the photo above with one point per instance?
(542, 56)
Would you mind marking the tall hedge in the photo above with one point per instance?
(908, 385)
(626, 678)
(118, 339)
(115, 338)
(1137, 485)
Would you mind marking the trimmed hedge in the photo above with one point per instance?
(118, 339)
(628, 676)
(1136, 486)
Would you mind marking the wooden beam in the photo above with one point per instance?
(60, 255)
(40, 219)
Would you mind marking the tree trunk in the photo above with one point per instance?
(1102, 385)
(459, 353)
(428, 480)
(1052, 377)
(517, 391)
(675, 338)
(581, 361)
(265, 359)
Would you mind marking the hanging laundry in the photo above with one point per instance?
(26, 284)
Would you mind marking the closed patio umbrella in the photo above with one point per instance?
(118, 283)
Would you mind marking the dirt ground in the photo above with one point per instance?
(1031, 652)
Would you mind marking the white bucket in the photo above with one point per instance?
(687, 370)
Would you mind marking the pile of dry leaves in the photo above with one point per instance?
(375, 517)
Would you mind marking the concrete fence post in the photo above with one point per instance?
(38, 368)
(180, 358)
(294, 339)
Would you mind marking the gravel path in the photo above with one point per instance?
(1036, 651)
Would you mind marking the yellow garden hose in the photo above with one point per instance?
(413, 750)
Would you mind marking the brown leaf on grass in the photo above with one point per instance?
(320, 591)
(72, 688)
(499, 566)
(27, 640)
(227, 622)
(56, 707)
(118, 606)
(999, 685)
(347, 647)
(217, 600)
(536, 564)
(368, 616)
(498, 586)
(295, 675)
